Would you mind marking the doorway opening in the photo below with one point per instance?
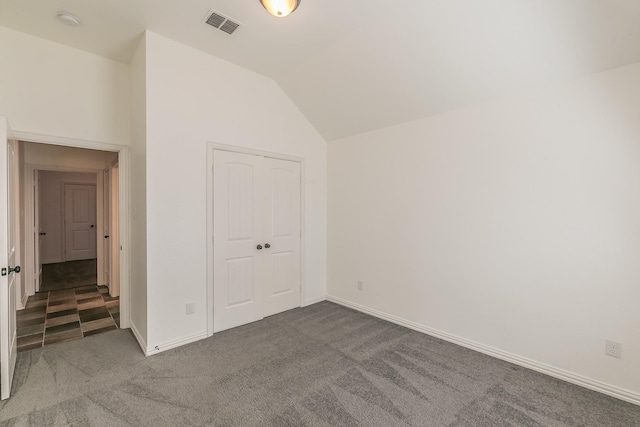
(72, 289)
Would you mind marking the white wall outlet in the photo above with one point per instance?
(360, 285)
(613, 349)
(191, 307)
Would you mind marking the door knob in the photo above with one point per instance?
(266, 245)
(259, 247)
(15, 269)
(92, 226)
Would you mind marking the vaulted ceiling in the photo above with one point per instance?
(352, 66)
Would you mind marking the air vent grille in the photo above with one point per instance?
(229, 27)
(216, 20)
(221, 22)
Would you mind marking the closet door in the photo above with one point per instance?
(256, 238)
(238, 222)
(281, 259)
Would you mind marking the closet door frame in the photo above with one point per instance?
(211, 147)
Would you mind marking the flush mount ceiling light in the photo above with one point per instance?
(68, 19)
(280, 8)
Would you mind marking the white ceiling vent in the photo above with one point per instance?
(221, 22)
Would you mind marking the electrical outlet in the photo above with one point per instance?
(613, 349)
(360, 285)
(191, 307)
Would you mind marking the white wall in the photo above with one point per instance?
(46, 156)
(54, 93)
(193, 98)
(514, 225)
(51, 210)
(138, 195)
(51, 89)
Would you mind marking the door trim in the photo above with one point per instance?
(114, 226)
(123, 208)
(211, 147)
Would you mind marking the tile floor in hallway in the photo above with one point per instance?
(65, 315)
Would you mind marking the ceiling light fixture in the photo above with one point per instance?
(68, 19)
(280, 8)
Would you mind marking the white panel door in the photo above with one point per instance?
(8, 338)
(281, 259)
(256, 222)
(80, 221)
(237, 186)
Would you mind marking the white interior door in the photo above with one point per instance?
(80, 221)
(281, 259)
(8, 338)
(237, 187)
(256, 247)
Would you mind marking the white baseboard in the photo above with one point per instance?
(141, 342)
(23, 303)
(168, 345)
(591, 384)
(313, 301)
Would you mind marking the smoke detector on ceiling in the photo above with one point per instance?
(221, 22)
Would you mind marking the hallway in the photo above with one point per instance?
(68, 275)
(66, 315)
(69, 306)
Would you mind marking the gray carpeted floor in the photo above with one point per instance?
(68, 275)
(322, 365)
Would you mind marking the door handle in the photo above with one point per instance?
(15, 269)
(92, 225)
(43, 234)
(266, 245)
(106, 237)
(259, 247)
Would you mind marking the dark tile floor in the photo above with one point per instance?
(68, 275)
(65, 315)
